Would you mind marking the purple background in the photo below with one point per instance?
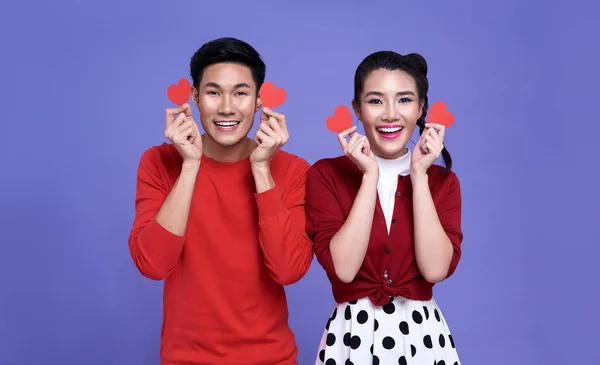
(83, 93)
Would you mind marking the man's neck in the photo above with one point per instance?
(234, 153)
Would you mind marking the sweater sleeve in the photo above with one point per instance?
(154, 250)
(324, 218)
(282, 228)
(450, 217)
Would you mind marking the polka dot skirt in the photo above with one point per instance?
(405, 332)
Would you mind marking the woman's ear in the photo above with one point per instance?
(356, 108)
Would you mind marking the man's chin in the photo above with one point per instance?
(227, 139)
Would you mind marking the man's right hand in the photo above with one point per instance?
(183, 132)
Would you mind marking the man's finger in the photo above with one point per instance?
(277, 127)
(187, 110)
(173, 111)
(170, 114)
(268, 130)
(178, 121)
(261, 136)
(274, 114)
(280, 118)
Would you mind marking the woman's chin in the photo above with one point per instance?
(390, 153)
(389, 149)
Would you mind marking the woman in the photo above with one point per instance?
(386, 223)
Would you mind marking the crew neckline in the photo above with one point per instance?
(397, 166)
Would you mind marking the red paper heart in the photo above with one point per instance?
(439, 115)
(270, 96)
(180, 93)
(340, 120)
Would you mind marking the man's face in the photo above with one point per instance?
(227, 100)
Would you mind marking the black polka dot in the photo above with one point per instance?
(330, 339)
(348, 313)
(427, 342)
(352, 302)
(388, 343)
(330, 362)
(413, 350)
(376, 326)
(334, 314)
(404, 328)
(417, 317)
(456, 363)
(389, 308)
(328, 323)
(402, 361)
(362, 317)
(375, 360)
(355, 342)
(442, 341)
(371, 349)
(347, 339)
(426, 311)
(451, 340)
(442, 362)
(348, 362)
(322, 355)
(437, 315)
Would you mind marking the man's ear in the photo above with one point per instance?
(356, 108)
(195, 95)
(258, 104)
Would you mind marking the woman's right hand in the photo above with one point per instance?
(183, 132)
(359, 151)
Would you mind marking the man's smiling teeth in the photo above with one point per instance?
(389, 130)
(227, 124)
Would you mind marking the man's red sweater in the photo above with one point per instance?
(224, 300)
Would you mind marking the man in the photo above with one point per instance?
(220, 217)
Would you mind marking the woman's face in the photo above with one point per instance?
(389, 108)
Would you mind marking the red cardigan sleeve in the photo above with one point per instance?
(450, 217)
(282, 228)
(154, 250)
(324, 217)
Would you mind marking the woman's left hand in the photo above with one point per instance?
(428, 148)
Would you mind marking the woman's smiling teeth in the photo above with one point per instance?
(389, 131)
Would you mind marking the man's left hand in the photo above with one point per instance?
(271, 135)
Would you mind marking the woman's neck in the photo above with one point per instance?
(396, 156)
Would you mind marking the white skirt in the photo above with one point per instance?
(404, 332)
